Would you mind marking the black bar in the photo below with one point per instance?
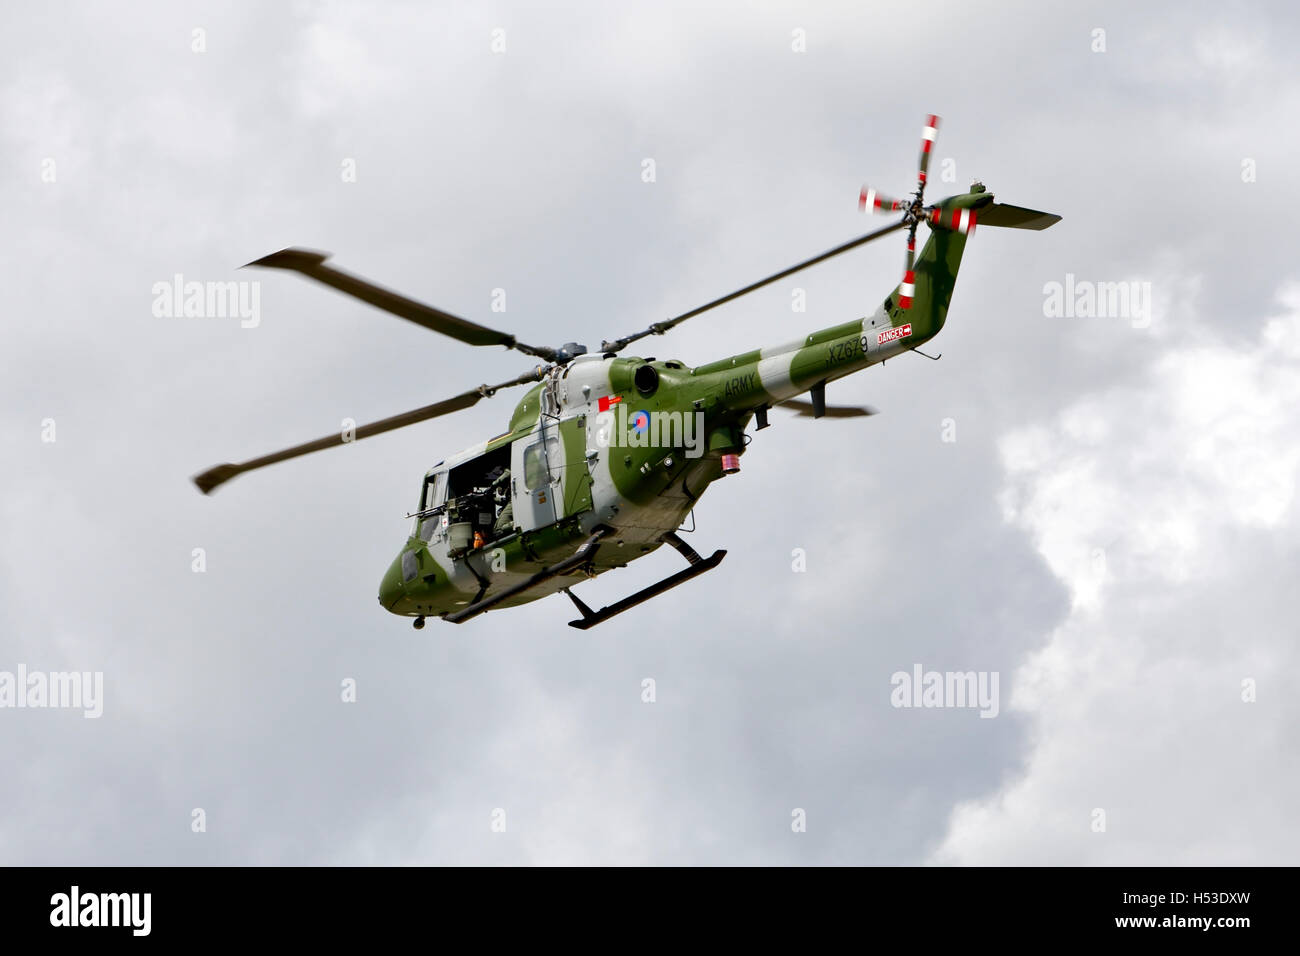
(987, 909)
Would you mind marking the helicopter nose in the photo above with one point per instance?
(391, 588)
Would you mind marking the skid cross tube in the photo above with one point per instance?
(697, 567)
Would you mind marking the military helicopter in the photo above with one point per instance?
(606, 455)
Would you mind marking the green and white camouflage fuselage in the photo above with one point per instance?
(638, 490)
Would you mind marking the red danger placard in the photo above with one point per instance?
(889, 335)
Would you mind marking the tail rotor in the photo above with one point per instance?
(915, 211)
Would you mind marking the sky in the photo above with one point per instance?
(1098, 509)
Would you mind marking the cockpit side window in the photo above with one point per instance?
(433, 493)
(535, 462)
(435, 490)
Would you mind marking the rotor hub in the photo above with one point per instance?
(569, 351)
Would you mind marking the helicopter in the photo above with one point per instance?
(606, 455)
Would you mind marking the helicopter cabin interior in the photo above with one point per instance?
(469, 503)
(513, 488)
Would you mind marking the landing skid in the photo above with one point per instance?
(697, 567)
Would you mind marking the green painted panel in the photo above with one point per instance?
(575, 489)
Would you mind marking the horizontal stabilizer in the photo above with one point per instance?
(1016, 217)
(808, 409)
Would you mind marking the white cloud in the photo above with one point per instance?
(1158, 505)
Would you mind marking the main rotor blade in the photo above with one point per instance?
(659, 328)
(312, 264)
(209, 480)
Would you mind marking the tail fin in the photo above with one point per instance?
(938, 262)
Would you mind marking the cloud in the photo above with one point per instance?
(1167, 509)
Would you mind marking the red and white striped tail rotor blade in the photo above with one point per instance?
(927, 146)
(871, 200)
(907, 288)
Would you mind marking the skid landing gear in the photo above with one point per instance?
(698, 566)
(418, 623)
